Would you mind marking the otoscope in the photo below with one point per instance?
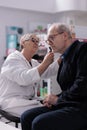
(50, 49)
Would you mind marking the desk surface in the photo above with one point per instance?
(4, 126)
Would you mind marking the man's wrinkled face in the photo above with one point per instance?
(55, 40)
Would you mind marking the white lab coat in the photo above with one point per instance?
(17, 82)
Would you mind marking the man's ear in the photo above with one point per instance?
(65, 35)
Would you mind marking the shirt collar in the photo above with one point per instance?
(67, 51)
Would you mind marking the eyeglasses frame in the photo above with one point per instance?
(52, 39)
(33, 40)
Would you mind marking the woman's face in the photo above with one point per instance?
(32, 44)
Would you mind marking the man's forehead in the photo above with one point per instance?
(52, 31)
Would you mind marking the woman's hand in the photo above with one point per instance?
(48, 59)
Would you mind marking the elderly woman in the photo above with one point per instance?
(20, 73)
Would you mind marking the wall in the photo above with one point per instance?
(33, 5)
(50, 6)
(70, 5)
(78, 17)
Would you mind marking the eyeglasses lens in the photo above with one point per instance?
(35, 41)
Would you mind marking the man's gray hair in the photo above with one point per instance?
(61, 27)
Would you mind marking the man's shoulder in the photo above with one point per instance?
(80, 45)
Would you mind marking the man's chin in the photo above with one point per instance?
(55, 51)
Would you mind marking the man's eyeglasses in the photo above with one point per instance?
(52, 37)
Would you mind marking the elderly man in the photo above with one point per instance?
(67, 111)
(20, 73)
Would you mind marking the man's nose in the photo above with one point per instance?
(50, 42)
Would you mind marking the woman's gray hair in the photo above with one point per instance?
(26, 37)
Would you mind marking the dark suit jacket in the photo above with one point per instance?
(72, 77)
